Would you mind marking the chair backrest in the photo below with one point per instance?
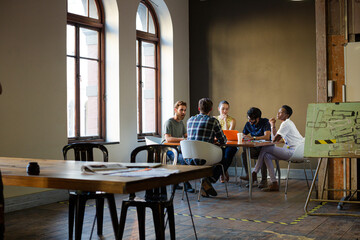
(298, 155)
(231, 135)
(211, 153)
(155, 153)
(151, 140)
(84, 151)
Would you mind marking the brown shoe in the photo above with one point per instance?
(254, 177)
(263, 184)
(273, 187)
(208, 188)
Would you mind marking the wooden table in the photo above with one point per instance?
(245, 144)
(62, 174)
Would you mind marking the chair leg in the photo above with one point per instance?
(113, 212)
(99, 215)
(141, 221)
(287, 178)
(199, 194)
(223, 170)
(171, 217)
(236, 176)
(159, 223)
(183, 191)
(72, 202)
(242, 170)
(122, 220)
(79, 216)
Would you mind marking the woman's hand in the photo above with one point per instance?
(272, 122)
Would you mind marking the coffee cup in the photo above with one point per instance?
(240, 137)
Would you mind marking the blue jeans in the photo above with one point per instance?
(180, 160)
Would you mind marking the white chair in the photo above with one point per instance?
(298, 157)
(209, 152)
(151, 140)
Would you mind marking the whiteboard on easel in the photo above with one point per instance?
(352, 71)
(332, 130)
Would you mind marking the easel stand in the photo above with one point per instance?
(341, 202)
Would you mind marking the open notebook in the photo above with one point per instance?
(231, 135)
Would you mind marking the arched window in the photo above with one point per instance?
(147, 65)
(85, 70)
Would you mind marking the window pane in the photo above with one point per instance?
(89, 43)
(71, 96)
(89, 110)
(137, 52)
(148, 100)
(70, 40)
(148, 54)
(151, 25)
(93, 10)
(141, 18)
(78, 7)
(137, 97)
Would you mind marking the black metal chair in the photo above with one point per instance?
(155, 199)
(77, 199)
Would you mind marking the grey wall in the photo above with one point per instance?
(253, 53)
(33, 76)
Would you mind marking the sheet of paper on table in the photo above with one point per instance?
(132, 170)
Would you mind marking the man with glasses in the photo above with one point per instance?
(256, 128)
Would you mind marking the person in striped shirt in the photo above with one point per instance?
(203, 127)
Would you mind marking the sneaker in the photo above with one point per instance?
(263, 184)
(273, 187)
(208, 188)
(188, 187)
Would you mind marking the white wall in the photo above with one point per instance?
(33, 76)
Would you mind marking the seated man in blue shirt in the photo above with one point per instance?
(202, 127)
(256, 128)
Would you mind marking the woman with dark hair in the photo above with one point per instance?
(227, 122)
(290, 134)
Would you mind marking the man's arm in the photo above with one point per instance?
(266, 136)
(277, 138)
(169, 138)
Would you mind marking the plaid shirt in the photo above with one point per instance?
(204, 128)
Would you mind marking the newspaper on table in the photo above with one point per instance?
(102, 168)
(118, 169)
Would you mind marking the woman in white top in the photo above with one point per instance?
(289, 133)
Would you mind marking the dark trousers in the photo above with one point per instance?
(254, 152)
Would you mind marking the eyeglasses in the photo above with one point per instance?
(251, 120)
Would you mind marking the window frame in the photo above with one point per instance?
(154, 39)
(98, 25)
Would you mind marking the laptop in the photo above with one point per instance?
(231, 135)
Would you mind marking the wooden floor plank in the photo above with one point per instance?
(267, 216)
